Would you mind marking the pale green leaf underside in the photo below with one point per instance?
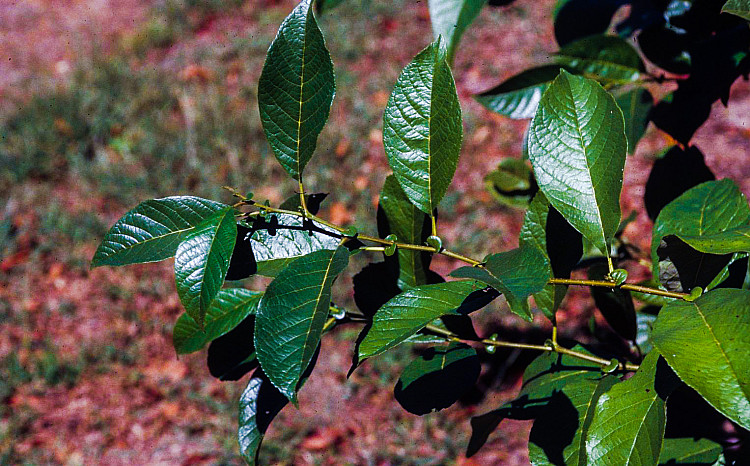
(230, 307)
(518, 97)
(408, 312)
(295, 90)
(406, 222)
(577, 146)
(291, 315)
(707, 343)
(739, 8)
(422, 128)
(248, 434)
(450, 18)
(707, 209)
(274, 252)
(629, 421)
(152, 231)
(202, 260)
(517, 274)
(727, 242)
(689, 451)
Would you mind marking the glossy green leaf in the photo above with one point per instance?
(408, 312)
(295, 90)
(202, 261)
(437, 378)
(450, 18)
(517, 274)
(274, 252)
(629, 420)
(604, 58)
(511, 183)
(519, 96)
(635, 105)
(152, 231)
(689, 451)
(406, 222)
(725, 242)
(709, 208)
(291, 316)
(706, 343)
(739, 8)
(567, 390)
(422, 128)
(229, 308)
(577, 147)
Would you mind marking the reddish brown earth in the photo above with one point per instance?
(133, 401)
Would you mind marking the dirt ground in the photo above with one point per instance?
(89, 372)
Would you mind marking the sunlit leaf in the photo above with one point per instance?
(450, 18)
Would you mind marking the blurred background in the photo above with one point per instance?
(106, 103)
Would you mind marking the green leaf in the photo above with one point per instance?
(408, 312)
(152, 231)
(709, 208)
(739, 8)
(322, 6)
(577, 147)
(706, 343)
(406, 222)
(645, 324)
(259, 404)
(274, 252)
(450, 18)
(511, 183)
(519, 96)
(635, 105)
(725, 242)
(422, 128)
(291, 316)
(629, 420)
(689, 451)
(604, 58)
(567, 390)
(229, 308)
(202, 261)
(437, 378)
(295, 90)
(517, 274)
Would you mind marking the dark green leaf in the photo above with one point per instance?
(689, 451)
(450, 18)
(577, 147)
(229, 308)
(629, 421)
(322, 6)
(291, 316)
(709, 208)
(519, 96)
(517, 274)
(152, 231)
(202, 261)
(725, 242)
(605, 58)
(437, 378)
(290, 241)
(739, 8)
(408, 312)
(511, 183)
(706, 343)
(406, 222)
(296, 89)
(635, 105)
(422, 128)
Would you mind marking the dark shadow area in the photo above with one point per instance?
(228, 355)
(693, 268)
(576, 19)
(616, 305)
(555, 427)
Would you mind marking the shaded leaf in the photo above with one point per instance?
(291, 316)
(322, 6)
(689, 451)
(450, 18)
(243, 264)
(295, 90)
(635, 105)
(437, 378)
(511, 183)
(580, 18)
(706, 343)
(230, 307)
(739, 8)
(678, 262)
(519, 96)
(605, 58)
(517, 274)
(408, 312)
(152, 231)
(629, 421)
(645, 324)
(615, 304)
(202, 261)
(577, 147)
(726, 242)
(422, 128)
